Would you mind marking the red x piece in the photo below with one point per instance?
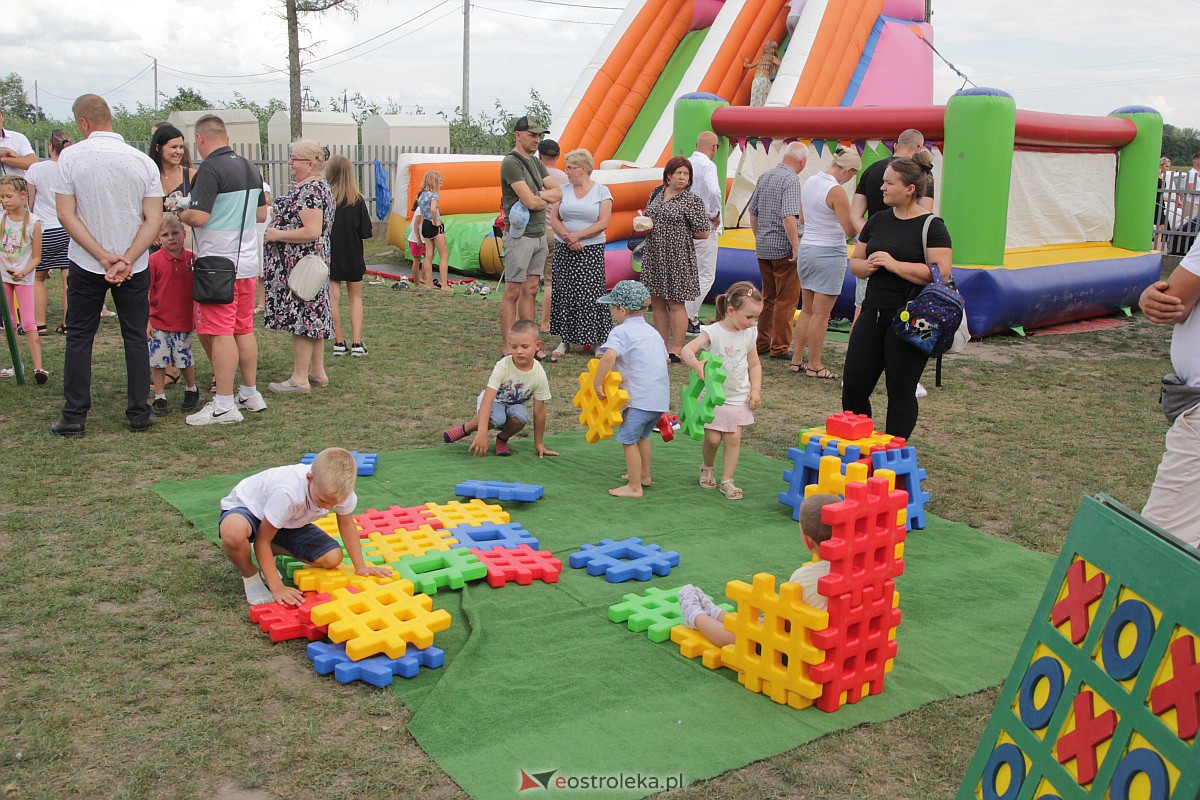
(1090, 732)
(1081, 593)
(1182, 691)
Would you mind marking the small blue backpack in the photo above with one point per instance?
(930, 321)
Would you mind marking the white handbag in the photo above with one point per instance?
(307, 278)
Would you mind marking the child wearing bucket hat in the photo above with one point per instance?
(637, 351)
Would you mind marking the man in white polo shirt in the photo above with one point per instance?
(109, 201)
(16, 155)
(706, 186)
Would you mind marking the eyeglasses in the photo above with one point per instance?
(293, 160)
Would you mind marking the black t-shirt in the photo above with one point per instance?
(900, 238)
(351, 224)
(870, 186)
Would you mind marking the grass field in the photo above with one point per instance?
(128, 670)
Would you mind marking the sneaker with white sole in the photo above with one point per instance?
(254, 402)
(339, 348)
(358, 349)
(211, 415)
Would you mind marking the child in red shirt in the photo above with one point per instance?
(172, 316)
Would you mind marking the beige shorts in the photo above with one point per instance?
(524, 257)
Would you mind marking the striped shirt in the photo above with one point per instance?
(776, 196)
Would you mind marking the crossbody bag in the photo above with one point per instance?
(213, 277)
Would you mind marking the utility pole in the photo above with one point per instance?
(345, 102)
(36, 101)
(466, 100)
(928, 10)
(155, 86)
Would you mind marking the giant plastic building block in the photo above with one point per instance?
(380, 619)
(364, 462)
(490, 535)
(396, 518)
(599, 416)
(522, 564)
(328, 523)
(375, 670)
(500, 490)
(473, 512)
(624, 559)
(693, 643)
(391, 547)
(806, 471)
(440, 569)
(1103, 699)
(909, 477)
(848, 426)
(316, 579)
(864, 554)
(695, 411)
(284, 622)
(866, 445)
(772, 653)
(655, 611)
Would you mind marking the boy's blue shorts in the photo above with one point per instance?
(307, 544)
(637, 424)
(502, 413)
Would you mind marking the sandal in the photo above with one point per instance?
(61, 330)
(798, 367)
(550, 358)
(707, 481)
(730, 491)
(823, 373)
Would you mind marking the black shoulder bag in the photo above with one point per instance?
(213, 277)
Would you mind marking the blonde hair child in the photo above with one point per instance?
(732, 338)
(20, 254)
(351, 225)
(433, 232)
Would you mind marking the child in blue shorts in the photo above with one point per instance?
(271, 514)
(637, 351)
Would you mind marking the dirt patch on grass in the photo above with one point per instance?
(231, 791)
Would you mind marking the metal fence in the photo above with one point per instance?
(1176, 215)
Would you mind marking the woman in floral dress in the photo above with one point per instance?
(302, 221)
(669, 261)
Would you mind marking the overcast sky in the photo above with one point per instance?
(1069, 56)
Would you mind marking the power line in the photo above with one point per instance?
(581, 5)
(279, 77)
(541, 19)
(136, 75)
(385, 33)
(388, 42)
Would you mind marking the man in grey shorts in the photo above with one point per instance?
(524, 179)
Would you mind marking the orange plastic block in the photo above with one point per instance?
(693, 643)
(774, 647)
(315, 579)
(473, 512)
(864, 555)
(394, 546)
(848, 425)
(599, 416)
(381, 619)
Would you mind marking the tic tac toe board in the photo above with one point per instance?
(1103, 700)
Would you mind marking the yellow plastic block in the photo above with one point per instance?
(864, 445)
(328, 523)
(599, 416)
(693, 643)
(394, 546)
(773, 646)
(380, 619)
(830, 480)
(315, 579)
(473, 512)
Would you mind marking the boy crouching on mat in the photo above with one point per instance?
(271, 514)
(516, 379)
(701, 613)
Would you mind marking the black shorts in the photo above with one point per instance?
(429, 230)
(308, 543)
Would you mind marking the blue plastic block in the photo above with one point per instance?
(622, 560)
(806, 470)
(375, 670)
(910, 478)
(499, 490)
(366, 462)
(509, 535)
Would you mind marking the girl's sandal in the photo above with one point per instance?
(730, 491)
(707, 481)
(798, 368)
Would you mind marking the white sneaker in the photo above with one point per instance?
(921, 391)
(339, 348)
(254, 402)
(211, 415)
(358, 349)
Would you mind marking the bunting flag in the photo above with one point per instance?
(766, 143)
(819, 146)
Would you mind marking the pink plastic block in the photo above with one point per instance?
(395, 518)
(521, 564)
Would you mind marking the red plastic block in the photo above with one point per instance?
(864, 557)
(1182, 691)
(285, 622)
(521, 564)
(1081, 593)
(848, 425)
(1090, 732)
(395, 518)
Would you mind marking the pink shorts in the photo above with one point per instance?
(417, 249)
(229, 319)
(728, 418)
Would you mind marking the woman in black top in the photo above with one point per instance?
(892, 257)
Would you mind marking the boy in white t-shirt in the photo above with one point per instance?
(516, 379)
(271, 513)
(701, 613)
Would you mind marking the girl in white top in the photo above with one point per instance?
(20, 252)
(42, 178)
(732, 338)
(822, 263)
